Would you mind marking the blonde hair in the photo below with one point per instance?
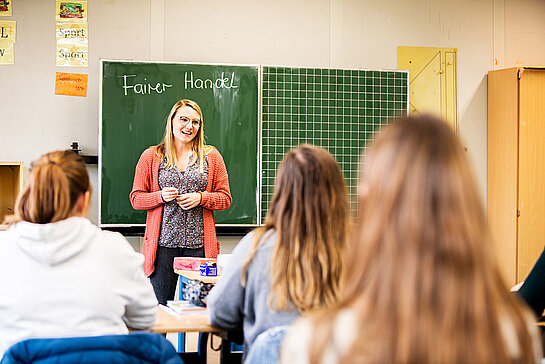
(167, 148)
(309, 211)
(424, 285)
(55, 183)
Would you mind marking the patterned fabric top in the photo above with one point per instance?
(179, 227)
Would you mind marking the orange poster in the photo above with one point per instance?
(71, 84)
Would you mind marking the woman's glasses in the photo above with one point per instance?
(185, 120)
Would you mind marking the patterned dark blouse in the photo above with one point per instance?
(182, 228)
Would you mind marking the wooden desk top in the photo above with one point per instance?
(191, 322)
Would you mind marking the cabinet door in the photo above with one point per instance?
(531, 200)
(502, 168)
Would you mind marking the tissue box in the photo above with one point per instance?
(190, 263)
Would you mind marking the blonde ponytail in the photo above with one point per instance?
(56, 181)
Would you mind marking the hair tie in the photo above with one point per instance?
(52, 162)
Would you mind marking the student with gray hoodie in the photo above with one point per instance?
(295, 262)
(60, 275)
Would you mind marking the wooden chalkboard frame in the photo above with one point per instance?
(258, 125)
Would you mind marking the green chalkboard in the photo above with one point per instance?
(136, 98)
(340, 110)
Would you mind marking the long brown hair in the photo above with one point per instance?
(424, 285)
(55, 183)
(166, 147)
(309, 211)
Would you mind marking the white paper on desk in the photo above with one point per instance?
(184, 307)
(169, 310)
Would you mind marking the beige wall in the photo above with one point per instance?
(334, 33)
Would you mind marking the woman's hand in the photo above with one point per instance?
(169, 193)
(189, 200)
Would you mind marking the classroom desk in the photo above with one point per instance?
(193, 322)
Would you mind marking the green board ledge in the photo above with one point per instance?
(221, 230)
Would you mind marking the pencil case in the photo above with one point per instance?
(190, 263)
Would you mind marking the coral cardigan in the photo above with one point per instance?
(146, 195)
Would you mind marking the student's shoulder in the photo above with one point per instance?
(267, 240)
(244, 244)
(113, 242)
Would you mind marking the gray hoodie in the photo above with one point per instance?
(70, 278)
(234, 307)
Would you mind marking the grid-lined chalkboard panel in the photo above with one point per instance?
(338, 109)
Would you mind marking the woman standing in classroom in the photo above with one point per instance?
(180, 182)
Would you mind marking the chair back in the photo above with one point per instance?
(266, 347)
(135, 348)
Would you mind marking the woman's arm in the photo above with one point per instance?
(219, 198)
(225, 302)
(141, 196)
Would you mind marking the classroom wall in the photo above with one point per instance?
(331, 33)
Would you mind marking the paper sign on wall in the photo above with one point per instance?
(5, 8)
(72, 45)
(72, 38)
(71, 84)
(7, 41)
(71, 11)
(6, 52)
(8, 30)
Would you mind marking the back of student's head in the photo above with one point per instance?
(56, 182)
(420, 206)
(309, 211)
(423, 277)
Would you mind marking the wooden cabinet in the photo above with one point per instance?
(516, 167)
(11, 182)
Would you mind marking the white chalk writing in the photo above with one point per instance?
(144, 88)
(220, 82)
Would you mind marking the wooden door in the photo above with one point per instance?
(531, 192)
